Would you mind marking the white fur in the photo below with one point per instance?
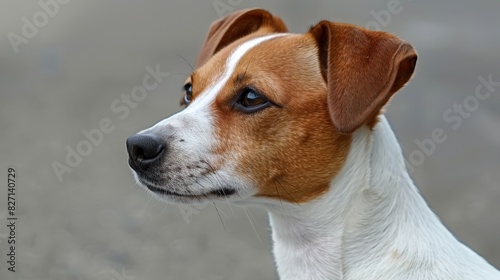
(372, 224)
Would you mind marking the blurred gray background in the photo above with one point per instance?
(95, 224)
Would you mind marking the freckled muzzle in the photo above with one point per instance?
(184, 179)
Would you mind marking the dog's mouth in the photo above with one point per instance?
(217, 193)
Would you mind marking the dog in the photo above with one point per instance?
(294, 123)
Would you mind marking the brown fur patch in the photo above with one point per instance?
(291, 152)
(363, 69)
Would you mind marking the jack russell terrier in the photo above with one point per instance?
(293, 123)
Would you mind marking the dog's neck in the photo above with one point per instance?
(372, 213)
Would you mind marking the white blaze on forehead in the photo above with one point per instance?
(199, 110)
(209, 95)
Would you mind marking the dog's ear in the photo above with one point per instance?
(362, 70)
(234, 26)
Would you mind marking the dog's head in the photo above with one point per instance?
(270, 114)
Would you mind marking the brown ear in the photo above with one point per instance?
(234, 26)
(362, 70)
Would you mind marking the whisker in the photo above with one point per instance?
(187, 61)
(291, 185)
(285, 189)
(150, 198)
(136, 184)
(164, 208)
(279, 196)
(217, 209)
(220, 210)
(215, 176)
(227, 200)
(250, 220)
(156, 203)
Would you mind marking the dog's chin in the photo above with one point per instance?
(210, 195)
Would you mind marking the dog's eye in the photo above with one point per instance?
(251, 100)
(188, 94)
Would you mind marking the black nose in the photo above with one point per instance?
(144, 150)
